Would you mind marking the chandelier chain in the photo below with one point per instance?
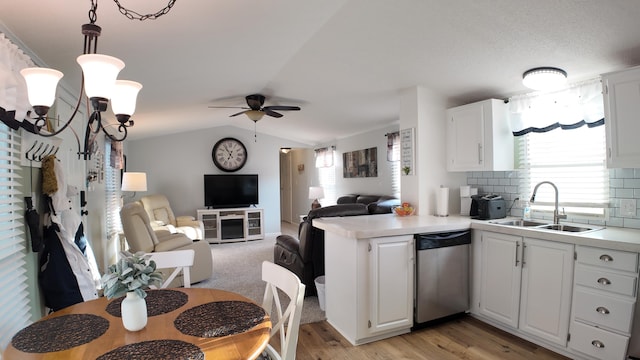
(93, 16)
(132, 15)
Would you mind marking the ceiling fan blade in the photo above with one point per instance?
(272, 113)
(240, 113)
(281, 107)
(228, 107)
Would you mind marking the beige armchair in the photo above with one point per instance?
(141, 236)
(162, 218)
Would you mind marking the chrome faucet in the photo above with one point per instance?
(556, 215)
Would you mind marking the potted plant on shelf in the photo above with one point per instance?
(130, 276)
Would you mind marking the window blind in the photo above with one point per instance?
(113, 203)
(393, 157)
(14, 297)
(574, 161)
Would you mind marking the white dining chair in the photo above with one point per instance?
(285, 321)
(180, 260)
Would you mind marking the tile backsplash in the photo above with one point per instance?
(623, 184)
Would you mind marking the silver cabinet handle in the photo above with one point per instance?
(517, 247)
(597, 343)
(606, 258)
(524, 247)
(602, 310)
(604, 281)
(480, 154)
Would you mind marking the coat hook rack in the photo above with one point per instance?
(37, 148)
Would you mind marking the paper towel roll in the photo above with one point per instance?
(442, 202)
(465, 191)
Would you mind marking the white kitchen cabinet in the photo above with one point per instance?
(369, 286)
(525, 284)
(547, 277)
(500, 277)
(604, 298)
(621, 91)
(479, 137)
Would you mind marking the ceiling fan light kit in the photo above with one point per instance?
(544, 78)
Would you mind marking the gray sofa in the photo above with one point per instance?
(304, 255)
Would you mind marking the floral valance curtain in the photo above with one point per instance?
(324, 157)
(14, 103)
(580, 104)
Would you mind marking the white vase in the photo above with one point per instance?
(133, 311)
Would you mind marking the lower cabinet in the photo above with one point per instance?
(525, 283)
(604, 299)
(369, 286)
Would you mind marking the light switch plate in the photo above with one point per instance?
(628, 207)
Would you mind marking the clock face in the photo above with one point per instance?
(229, 154)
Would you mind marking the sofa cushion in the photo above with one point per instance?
(161, 214)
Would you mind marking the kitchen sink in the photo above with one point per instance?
(520, 222)
(542, 225)
(568, 228)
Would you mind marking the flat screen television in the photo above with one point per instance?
(227, 191)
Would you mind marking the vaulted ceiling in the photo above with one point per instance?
(343, 62)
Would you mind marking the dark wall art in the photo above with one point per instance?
(360, 163)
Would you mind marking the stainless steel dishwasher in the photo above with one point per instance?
(442, 275)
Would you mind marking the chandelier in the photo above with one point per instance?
(99, 83)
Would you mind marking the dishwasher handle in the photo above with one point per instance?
(440, 240)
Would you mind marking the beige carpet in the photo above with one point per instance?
(237, 267)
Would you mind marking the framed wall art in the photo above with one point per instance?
(360, 163)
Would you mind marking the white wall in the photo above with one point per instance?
(175, 166)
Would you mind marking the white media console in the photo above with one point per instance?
(229, 225)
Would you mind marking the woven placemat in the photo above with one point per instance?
(155, 350)
(60, 333)
(220, 318)
(158, 302)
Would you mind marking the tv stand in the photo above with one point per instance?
(232, 224)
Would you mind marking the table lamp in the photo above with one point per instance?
(134, 181)
(315, 193)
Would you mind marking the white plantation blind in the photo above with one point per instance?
(113, 205)
(574, 161)
(14, 298)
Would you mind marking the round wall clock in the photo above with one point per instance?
(229, 154)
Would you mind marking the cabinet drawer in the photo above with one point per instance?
(602, 280)
(605, 311)
(610, 259)
(598, 343)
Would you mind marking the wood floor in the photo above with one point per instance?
(463, 338)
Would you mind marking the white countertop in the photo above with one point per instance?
(369, 226)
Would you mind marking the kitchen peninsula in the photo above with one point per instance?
(370, 279)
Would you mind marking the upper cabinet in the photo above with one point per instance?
(479, 137)
(621, 91)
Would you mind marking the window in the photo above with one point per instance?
(113, 203)
(569, 150)
(14, 298)
(393, 157)
(326, 173)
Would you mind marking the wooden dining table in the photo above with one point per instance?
(191, 323)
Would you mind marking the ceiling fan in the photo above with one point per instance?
(256, 111)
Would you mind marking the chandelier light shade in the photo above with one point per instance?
(544, 78)
(100, 74)
(134, 181)
(41, 85)
(123, 100)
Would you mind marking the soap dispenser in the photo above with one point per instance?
(526, 211)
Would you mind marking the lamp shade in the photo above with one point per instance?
(100, 73)
(544, 78)
(41, 85)
(125, 94)
(134, 181)
(316, 192)
(255, 115)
